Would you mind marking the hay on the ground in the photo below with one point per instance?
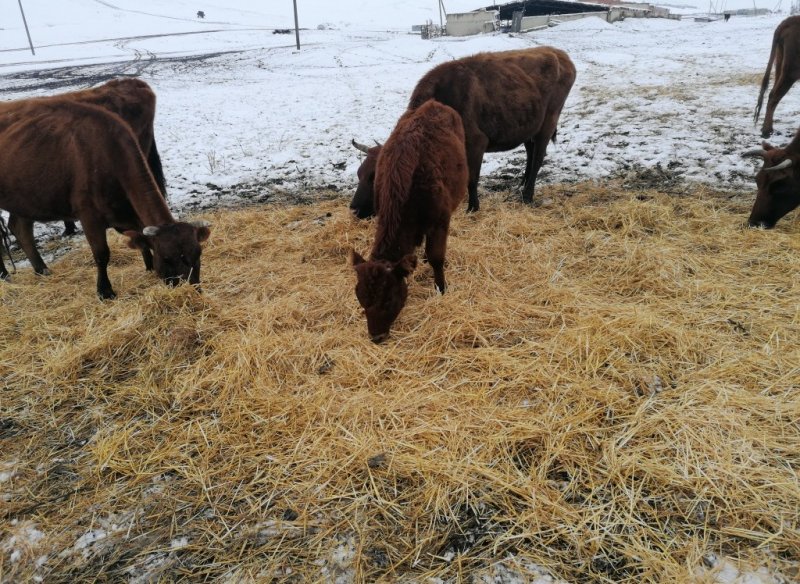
(608, 392)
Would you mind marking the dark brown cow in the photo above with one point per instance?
(785, 54)
(422, 177)
(131, 99)
(504, 99)
(67, 160)
(778, 183)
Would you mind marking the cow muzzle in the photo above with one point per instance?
(378, 339)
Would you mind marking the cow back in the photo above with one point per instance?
(504, 97)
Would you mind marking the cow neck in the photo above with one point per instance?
(148, 202)
(391, 248)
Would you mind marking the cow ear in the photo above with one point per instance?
(203, 233)
(767, 146)
(355, 258)
(136, 240)
(202, 230)
(406, 265)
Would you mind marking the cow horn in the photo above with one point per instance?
(755, 153)
(199, 223)
(785, 164)
(378, 144)
(150, 231)
(362, 147)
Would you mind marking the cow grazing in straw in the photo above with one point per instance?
(67, 160)
(131, 99)
(785, 54)
(422, 178)
(504, 99)
(778, 183)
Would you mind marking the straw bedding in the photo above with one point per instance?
(608, 392)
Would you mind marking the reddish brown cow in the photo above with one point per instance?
(785, 54)
(66, 160)
(422, 177)
(778, 183)
(131, 99)
(504, 99)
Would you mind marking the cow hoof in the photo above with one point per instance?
(44, 272)
(766, 133)
(5, 277)
(107, 295)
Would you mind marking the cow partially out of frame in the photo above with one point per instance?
(68, 160)
(131, 99)
(785, 55)
(778, 183)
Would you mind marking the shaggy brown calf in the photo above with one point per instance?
(785, 54)
(778, 183)
(421, 179)
(66, 160)
(504, 99)
(131, 99)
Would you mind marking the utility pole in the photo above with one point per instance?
(296, 26)
(25, 22)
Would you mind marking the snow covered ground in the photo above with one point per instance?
(241, 106)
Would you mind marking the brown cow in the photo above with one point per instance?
(785, 54)
(131, 99)
(422, 176)
(504, 99)
(778, 183)
(66, 160)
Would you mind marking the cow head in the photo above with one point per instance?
(363, 203)
(382, 290)
(175, 247)
(778, 184)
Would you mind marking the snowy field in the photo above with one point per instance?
(243, 115)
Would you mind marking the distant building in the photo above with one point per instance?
(533, 14)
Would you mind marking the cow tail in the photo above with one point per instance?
(765, 80)
(154, 161)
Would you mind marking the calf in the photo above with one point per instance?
(421, 179)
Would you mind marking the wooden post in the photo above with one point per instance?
(25, 22)
(296, 26)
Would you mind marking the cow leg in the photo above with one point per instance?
(69, 229)
(154, 162)
(780, 89)
(3, 271)
(539, 150)
(95, 232)
(147, 256)
(529, 150)
(23, 230)
(435, 247)
(474, 161)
